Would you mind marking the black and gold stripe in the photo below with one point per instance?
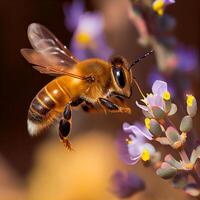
(41, 106)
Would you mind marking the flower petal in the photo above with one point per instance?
(145, 108)
(129, 153)
(150, 148)
(138, 132)
(159, 87)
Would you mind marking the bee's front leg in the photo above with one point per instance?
(65, 126)
(89, 107)
(114, 107)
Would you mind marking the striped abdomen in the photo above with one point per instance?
(47, 105)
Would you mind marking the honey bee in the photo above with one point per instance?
(92, 84)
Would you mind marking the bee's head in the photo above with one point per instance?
(121, 77)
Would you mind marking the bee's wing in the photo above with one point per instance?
(48, 54)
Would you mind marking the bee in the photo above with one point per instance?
(92, 84)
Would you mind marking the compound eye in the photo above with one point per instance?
(119, 76)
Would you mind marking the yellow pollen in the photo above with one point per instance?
(166, 96)
(189, 166)
(147, 123)
(158, 6)
(128, 140)
(145, 155)
(190, 99)
(83, 38)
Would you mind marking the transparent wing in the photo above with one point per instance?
(42, 64)
(48, 53)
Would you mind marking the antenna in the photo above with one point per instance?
(141, 58)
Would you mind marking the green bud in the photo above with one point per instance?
(192, 106)
(186, 124)
(166, 173)
(155, 128)
(172, 134)
(158, 112)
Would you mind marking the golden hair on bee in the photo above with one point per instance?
(92, 84)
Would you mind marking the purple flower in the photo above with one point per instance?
(72, 13)
(126, 185)
(88, 39)
(155, 103)
(155, 75)
(159, 91)
(133, 144)
(187, 59)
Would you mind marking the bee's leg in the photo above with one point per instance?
(88, 107)
(65, 126)
(114, 107)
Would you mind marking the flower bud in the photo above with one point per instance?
(166, 172)
(191, 105)
(155, 128)
(186, 124)
(158, 112)
(172, 134)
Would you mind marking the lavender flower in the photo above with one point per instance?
(159, 127)
(133, 144)
(126, 185)
(72, 13)
(187, 58)
(171, 166)
(88, 38)
(156, 31)
(158, 103)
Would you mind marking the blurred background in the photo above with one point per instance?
(40, 167)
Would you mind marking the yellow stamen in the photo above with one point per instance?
(147, 123)
(129, 141)
(145, 155)
(83, 38)
(190, 99)
(158, 6)
(166, 96)
(188, 166)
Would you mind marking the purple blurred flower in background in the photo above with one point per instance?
(126, 185)
(88, 40)
(187, 58)
(133, 144)
(156, 31)
(72, 13)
